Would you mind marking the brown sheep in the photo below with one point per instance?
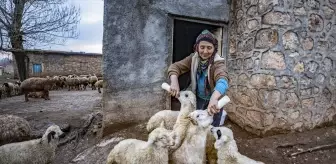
(36, 84)
(13, 129)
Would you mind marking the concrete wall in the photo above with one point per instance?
(282, 63)
(137, 45)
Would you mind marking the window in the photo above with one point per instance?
(37, 68)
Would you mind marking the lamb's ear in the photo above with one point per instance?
(162, 125)
(51, 135)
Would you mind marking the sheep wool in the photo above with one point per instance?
(192, 149)
(169, 117)
(133, 151)
(99, 84)
(38, 151)
(227, 150)
(36, 84)
(13, 129)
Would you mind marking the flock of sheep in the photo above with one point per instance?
(181, 137)
(177, 137)
(37, 87)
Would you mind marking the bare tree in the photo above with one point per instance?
(30, 23)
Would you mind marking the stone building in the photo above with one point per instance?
(50, 63)
(280, 56)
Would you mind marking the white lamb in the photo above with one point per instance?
(38, 151)
(188, 105)
(169, 117)
(192, 150)
(227, 150)
(133, 151)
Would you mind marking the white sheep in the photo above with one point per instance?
(169, 117)
(38, 151)
(92, 80)
(133, 151)
(227, 150)
(188, 105)
(192, 150)
(99, 84)
(13, 129)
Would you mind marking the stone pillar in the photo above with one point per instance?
(282, 64)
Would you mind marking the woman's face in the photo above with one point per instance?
(205, 49)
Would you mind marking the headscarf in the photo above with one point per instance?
(206, 35)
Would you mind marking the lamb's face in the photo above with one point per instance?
(187, 96)
(222, 135)
(54, 132)
(162, 137)
(201, 118)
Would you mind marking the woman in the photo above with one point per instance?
(208, 75)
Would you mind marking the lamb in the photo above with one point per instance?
(38, 151)
(227, 150)
(169, 117)
(134, 151)
(36, 84)
(36, 94)
(99, 84)
(188, 105)
(192, 150)
(13, 129)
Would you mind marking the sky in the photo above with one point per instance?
(90, 28)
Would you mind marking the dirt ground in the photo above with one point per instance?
(81, 111)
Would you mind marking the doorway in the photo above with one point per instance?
(184, 37)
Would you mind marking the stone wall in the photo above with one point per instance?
(282, 64)
(63, 63)
(54, 64)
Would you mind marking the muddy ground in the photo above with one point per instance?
(81, 111)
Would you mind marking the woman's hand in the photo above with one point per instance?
(212, 106)
(174, 86)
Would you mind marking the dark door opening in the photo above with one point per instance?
(184, 37)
